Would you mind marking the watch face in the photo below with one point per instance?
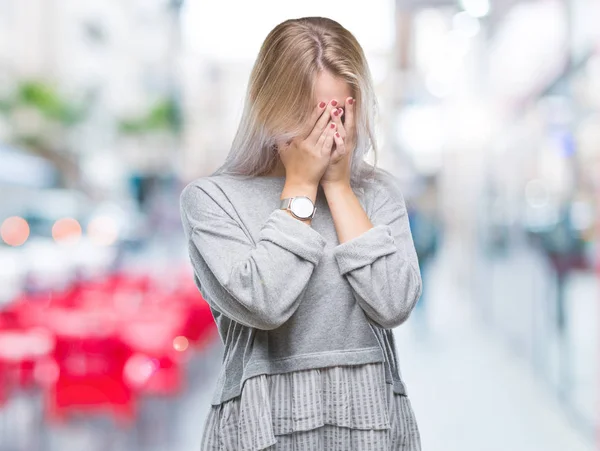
(302, 207)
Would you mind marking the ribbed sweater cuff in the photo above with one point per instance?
(293, 235)
(365, 249)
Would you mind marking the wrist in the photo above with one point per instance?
(335, 187)
(293, 189)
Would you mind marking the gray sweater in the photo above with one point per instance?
(287, 296)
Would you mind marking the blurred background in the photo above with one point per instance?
(490, 116)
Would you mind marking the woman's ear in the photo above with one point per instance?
(281, 145)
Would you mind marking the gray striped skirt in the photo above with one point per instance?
(342, 408)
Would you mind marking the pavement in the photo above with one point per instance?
(469, 389)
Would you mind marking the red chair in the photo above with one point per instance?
(20, 352)
(90, 360)
(156, 367)
(114, 338)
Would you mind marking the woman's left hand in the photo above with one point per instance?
(338, 170)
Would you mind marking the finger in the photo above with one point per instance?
(328, 132)
(318, 112)
(322, 122)
(328, 143)
(340, 149)
(350, 110)
(336, 116)
(340, 146)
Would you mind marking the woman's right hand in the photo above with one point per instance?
(306, 159)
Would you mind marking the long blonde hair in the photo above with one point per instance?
(280, 95)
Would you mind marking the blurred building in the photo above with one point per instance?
(501, 101)
(117, 59)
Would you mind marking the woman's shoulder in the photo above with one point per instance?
(195, 189)
(201, 191)
(222, 190)
(213, 183)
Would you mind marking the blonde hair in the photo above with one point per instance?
(280, 95)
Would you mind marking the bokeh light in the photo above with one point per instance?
(180, 343)
(66, 230)
(14, 231)
(102, 230)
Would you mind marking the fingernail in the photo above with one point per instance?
(351, 101)
(341, 111)
(332, 125)
(336, 112)
(334, 102)
(337, 134)
(322, 105)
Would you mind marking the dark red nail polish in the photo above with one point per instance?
(322, 105)
(336, 112)
(334, 102)
(351, 101)
(337, 135)
(332, 125)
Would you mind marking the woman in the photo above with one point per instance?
(304, 253)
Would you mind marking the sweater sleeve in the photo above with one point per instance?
(258, 284)
(381, 265)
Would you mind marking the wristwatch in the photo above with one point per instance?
(301, 207)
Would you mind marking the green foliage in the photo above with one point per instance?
(163, 116)
(43, 97)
